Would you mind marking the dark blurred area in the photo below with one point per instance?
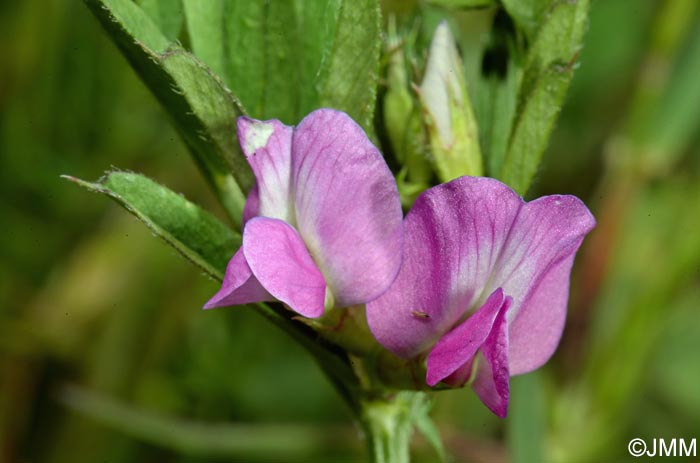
(106, 355)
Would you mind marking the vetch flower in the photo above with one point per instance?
(483, 286)
(323, 224)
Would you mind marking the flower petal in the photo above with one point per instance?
(239, 286)
(267, 146)
(282, 264)
(491, 381)
(534, 269)
(347, 206)
(453, 237)
(535, 332)
(458, 347)
(252, 204)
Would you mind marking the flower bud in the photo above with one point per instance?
(447, 112)
(402, 119)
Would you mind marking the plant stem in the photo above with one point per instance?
(388, 422)
(387, 417)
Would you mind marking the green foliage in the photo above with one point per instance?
(528, 14)
(547, 72)
(424, 424)
(526, 418)
(202, 439)
(496, 98)
(194, 233)
(389, 425)
(351, 80)
(203, 109)
(252, 48)
(264, 51)
(166, 14)
(284, 59)
(463, 3)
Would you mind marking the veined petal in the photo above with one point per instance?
(534, 269)
(280, 261)
(252, 204)
(492, 378)
(458, 347)
(240, 285)
(536, 331)
(347, 206)
(453, 237)
(267, 146)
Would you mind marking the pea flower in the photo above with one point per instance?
(323, 223)
(483, 286)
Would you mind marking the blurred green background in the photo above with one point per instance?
(105, 355)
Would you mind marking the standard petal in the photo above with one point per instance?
(267, 146)
(347, 206)
(280, 261)
(536, 331)
(453, 237)
(458, 347)
(534, 269)
(239, 286)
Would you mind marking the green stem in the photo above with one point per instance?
(388, 423)
(387, 418)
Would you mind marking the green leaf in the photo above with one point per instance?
(254, 47)
(206, 242)
(676, 118)
(548, 71)
(318, 25)
(527, 14)
(351, 82)
(466, 4)
(203, 109)
(196, 234)
(426, 426)
(526, 420)
(277, 442)
(166, 14)
(496, 98)
(284, 59)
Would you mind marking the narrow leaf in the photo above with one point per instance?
(526, 420)
(284, 59)
(207, 36)
(352, 73)
(203, 109)
(426, 426)
(496, 97)
(466, 4)
(166, 14)
(279, 442)
(318, 24)
(254, 47)
(196, 234)
(549, 67)
(676, 120)
(527, 13)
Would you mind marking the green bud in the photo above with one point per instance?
(402, 116)
(447, 113)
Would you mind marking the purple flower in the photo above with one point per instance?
(323, 224)
(483, 286)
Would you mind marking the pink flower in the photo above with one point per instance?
(323, 225)
(483, 286)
